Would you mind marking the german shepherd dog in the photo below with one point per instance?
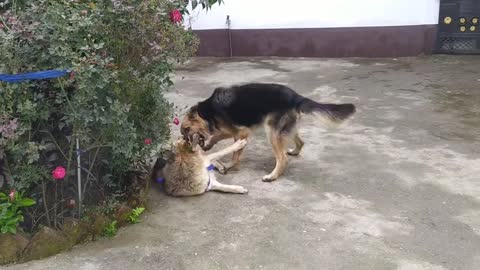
(235, 111)
(187, 171)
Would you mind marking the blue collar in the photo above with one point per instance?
(209, 169)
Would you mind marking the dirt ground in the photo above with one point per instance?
(398, 187)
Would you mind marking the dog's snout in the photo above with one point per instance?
(195, 139)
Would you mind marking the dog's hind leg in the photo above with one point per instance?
(278, 144)
(298, 145)
(217, 186)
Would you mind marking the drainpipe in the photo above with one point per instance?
(229, 36)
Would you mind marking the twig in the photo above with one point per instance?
(55, 142)
(89, 171)
(55, 207)
(44, 214)
(44, 196)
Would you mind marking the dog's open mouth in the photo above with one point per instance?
(198, 139)
(201, 140)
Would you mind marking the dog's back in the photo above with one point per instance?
(250, 104)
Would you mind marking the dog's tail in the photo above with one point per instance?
(332, 113)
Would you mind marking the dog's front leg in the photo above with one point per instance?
(219, 166)
(237, 154)
(238, 145)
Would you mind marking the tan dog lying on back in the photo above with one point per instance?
(189, 170)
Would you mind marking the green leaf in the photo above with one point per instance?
(12, 229)
(138, 211)
(26, 202)
(12, 222)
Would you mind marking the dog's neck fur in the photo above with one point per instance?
(209, 113)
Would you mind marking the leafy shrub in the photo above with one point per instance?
(120, 54)
(11, 211)
(110, 229)
(134, 217)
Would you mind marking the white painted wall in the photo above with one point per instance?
(270, 14)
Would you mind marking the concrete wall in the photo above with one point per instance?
(317, 28)
(274, 14)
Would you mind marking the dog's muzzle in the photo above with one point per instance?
(198, 139)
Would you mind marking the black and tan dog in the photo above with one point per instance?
(235, 111)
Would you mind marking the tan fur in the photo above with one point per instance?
(187, 174)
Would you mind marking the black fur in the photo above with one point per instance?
(335, 112)
(248, 105)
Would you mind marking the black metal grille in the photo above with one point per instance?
(458, 44)
(459, 27)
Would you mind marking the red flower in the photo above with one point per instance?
(176, 16)
(148, 141)
(12, 194)
(59, 173)
(176, 121)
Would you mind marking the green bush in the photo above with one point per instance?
(11, 211)
(120, 54)
(110, 229)
(134, 217)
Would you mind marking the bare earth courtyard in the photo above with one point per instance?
(398, 187)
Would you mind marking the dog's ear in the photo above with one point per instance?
(193, 112)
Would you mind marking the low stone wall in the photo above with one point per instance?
(48, 241)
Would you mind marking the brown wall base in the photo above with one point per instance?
(390, 41)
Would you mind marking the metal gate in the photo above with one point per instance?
(459, 27)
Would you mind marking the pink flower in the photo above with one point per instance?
(72, 75)
(59, 173)
(12, 194)
(176, 16)
(148, 141)
(176, 121)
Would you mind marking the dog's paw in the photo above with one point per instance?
(242, 190)
(293, 152)
(269, 178)
(240, 144)
(220, 168)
